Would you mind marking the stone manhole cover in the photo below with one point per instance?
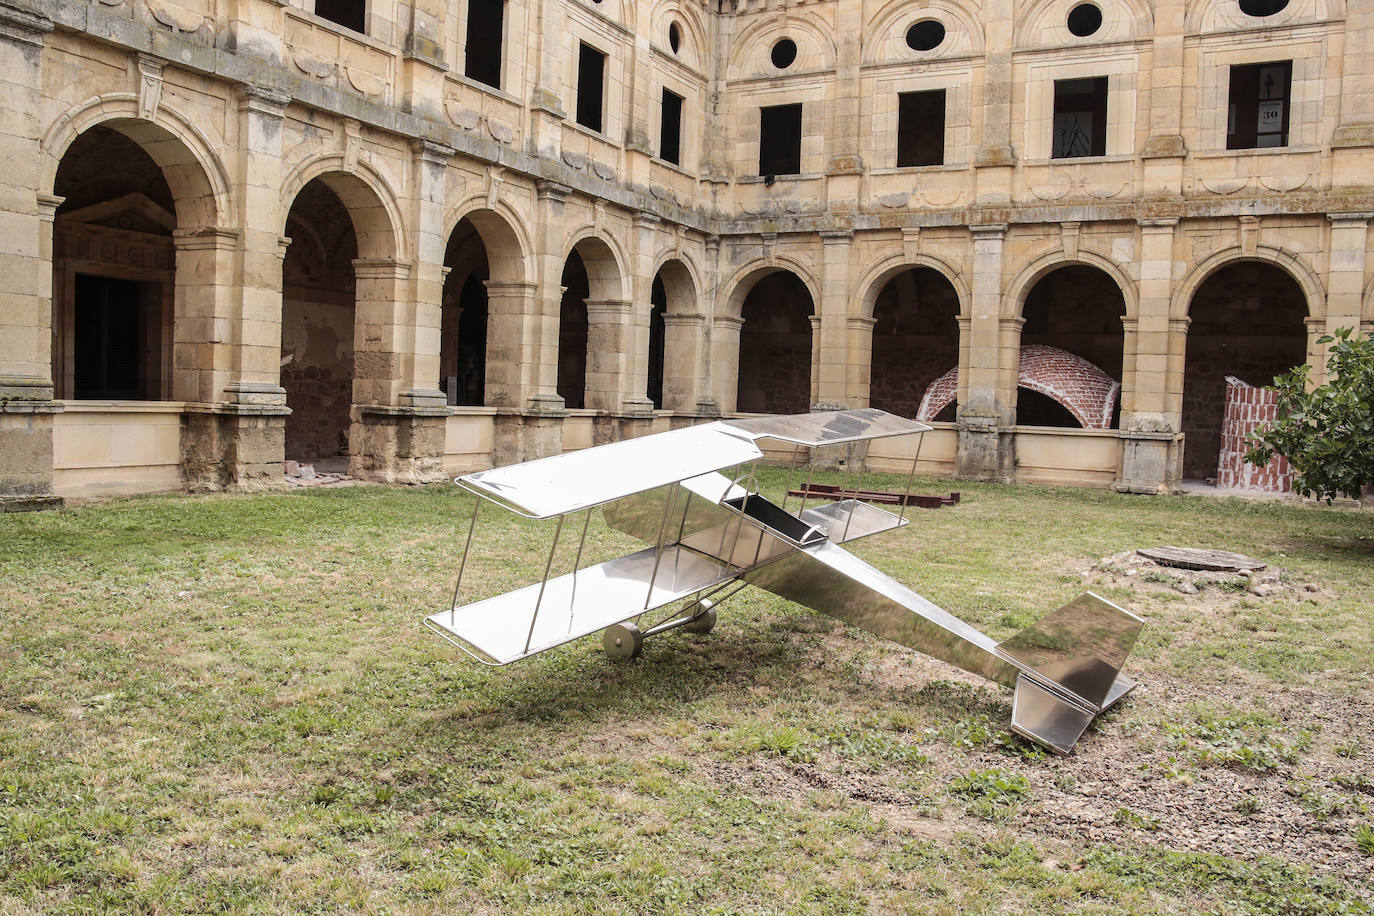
(1193, 558)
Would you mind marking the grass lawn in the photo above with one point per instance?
(229, 704)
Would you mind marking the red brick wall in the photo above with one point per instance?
(1247, 407)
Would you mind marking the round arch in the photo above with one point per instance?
(197, 177)
(886, 32)
(878, 275)
(746, 277)
(1047, 263)
(503, 235)
(680, 285)
(1306, 278)
(365, 194)
(810, 33)
(604, 260)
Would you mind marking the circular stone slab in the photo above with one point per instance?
(1192, 558)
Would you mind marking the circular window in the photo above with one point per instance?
(1261, 8)
(1084, 20)
(784, 52)
(674, 37)
(925, 35)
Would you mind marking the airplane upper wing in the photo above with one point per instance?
(833, 427)
(578, 480)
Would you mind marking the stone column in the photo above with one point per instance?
(1164, 149)
(984, 414)
(859, 368)
(27, 407)
(829, 342)
(725, 361)
(633, 397)
(1355, 134)
(1151, 447)
(228, 355)
(609, 353)
(993, 159)
(546, 108)
(1345, 282)
(846, 167)
(683, 339)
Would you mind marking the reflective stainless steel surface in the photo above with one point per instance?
(578, 480)
(707, 531)
(833, 427)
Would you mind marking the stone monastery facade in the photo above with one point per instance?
(437, 235)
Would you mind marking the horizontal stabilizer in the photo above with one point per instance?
(1080, 647)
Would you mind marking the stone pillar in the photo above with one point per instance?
(1151, 448)
(1345, 282)
(829, 342)
(684, 337)
(530, 423)
(1164, 149)
(27, 407)
(859, 367)
(985, 417)
(610, 351)
(546, 108)
(993, 157)
(725, 361)
(633, 383)
(846, 167)
(1355, 133)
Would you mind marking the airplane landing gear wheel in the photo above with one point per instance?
(624, 640)
(705, 620)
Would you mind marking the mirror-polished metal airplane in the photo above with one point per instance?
(711, 534)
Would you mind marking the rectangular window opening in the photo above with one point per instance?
(1258, 102)
(1080, 118)
(591, 71)
(921, 128)
(117, 339)
(351, 14)
(670, 130)
(485, 41)
(780, 132)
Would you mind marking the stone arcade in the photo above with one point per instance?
(434, 236)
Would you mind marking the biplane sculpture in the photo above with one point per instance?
(712, 533)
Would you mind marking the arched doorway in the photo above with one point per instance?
(658, 308)
(915, 339)
(114, 270)
(463, 331)
(675, 338)
(318, 324)
(775, 346)
(572, 333)
(1076, 308)
(1247, 322)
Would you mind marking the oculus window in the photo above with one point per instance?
(1257, 110)
(1080, 118)
(780, 140)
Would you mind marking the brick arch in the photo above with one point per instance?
(878, 275)
(1047, 263)
(193, 171)
(1081, 388)
(1302, 273)
(365, 194)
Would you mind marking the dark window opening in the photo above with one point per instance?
(674, 37)
(591, 71)
(1257, 113)
(486, 20)
(658, 298)
(780, 139)
(921, 128)
(925, 35)
(1261, 8)
(783, 53)
(1084, 20)
(1080, 118)
(572, 334)
(351, 14)
(670, 130)
(117, 339)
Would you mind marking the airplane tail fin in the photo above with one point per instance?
(1076, 654)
